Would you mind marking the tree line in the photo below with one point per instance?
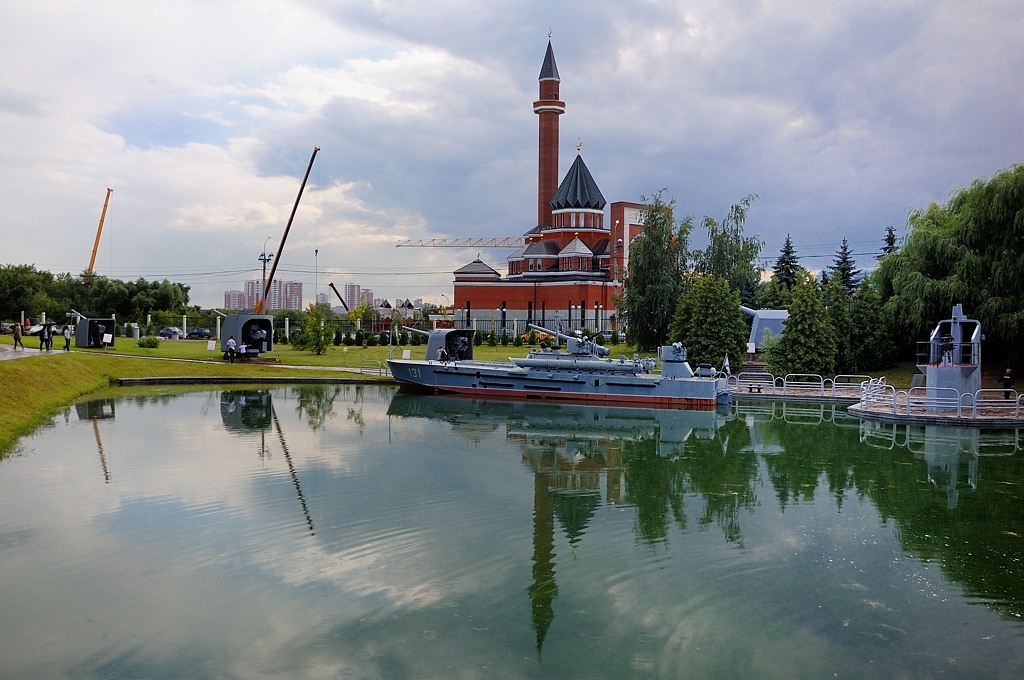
(969, 250)
(33, 292)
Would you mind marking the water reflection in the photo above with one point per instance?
(350, 531)
(659, 462)
(249, 410)
(95, 410)
(246, 410)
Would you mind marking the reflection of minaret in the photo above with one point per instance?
(544, 588)
(548, 108)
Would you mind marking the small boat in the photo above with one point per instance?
(583, 373)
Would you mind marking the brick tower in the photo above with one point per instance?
(548, 107)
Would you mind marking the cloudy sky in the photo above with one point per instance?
(202, 115)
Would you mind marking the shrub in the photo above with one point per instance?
(149, 342)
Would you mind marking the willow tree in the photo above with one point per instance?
(657, 258)
(969, 251)
(730, 255)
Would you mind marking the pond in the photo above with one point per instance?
(351, 531)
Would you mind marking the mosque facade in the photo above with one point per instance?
(570, 269)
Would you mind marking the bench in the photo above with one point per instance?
(754, 387)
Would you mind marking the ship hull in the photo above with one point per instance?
(506, 381)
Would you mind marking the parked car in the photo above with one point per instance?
(199, 334)
(170, 332)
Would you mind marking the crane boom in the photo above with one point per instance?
(331, 284)
(280, 247)
(497, 242)
(99, 230)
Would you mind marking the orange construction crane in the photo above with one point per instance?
(99, 230)
(280, 247)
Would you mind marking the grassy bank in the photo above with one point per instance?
(37, 388)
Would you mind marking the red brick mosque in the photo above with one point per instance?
(570, 267)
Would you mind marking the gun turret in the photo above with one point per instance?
(575, 345)
(417, 331)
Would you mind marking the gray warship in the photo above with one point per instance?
(582, 373)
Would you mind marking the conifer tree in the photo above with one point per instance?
(888, 243)
(844, 268)
(711, 298)
(787, 266)
(807, 343)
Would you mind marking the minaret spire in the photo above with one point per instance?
(548, 108)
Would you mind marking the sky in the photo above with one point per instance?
(201, 115)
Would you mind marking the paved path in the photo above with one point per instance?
(7, 352)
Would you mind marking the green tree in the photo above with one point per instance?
(807, 343)
(969, 251)
(710, 297)
(317, 332)
(888, 243)
(654, 278)
(773, 295)
(844, 268)
(787, 266)
(870, 339)
(730, 255)
(839, 307)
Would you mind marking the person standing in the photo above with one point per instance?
(67, 338)
(17, 337)
(1007, 382)
(231, 345)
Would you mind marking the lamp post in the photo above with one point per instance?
(444, 310)
(265, 257)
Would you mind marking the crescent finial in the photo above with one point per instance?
(579, 144)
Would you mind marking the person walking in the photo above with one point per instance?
(67, 338)
(42, 337)
(17, 337)
(1007, 382)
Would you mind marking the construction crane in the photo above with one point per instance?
(497, 242)
(99, 230)
(280, 247)
(331, 284)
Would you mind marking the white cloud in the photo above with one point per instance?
(201, 116)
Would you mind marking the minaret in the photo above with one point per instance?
(548, 108)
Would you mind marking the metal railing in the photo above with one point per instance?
(876, 394)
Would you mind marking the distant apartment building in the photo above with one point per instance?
(282, 295)
(234, 299)
(352, 295)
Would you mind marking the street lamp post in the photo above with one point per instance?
(265, 257)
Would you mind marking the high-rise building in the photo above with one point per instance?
(282, 295)
(234, 299)
(352, 295)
